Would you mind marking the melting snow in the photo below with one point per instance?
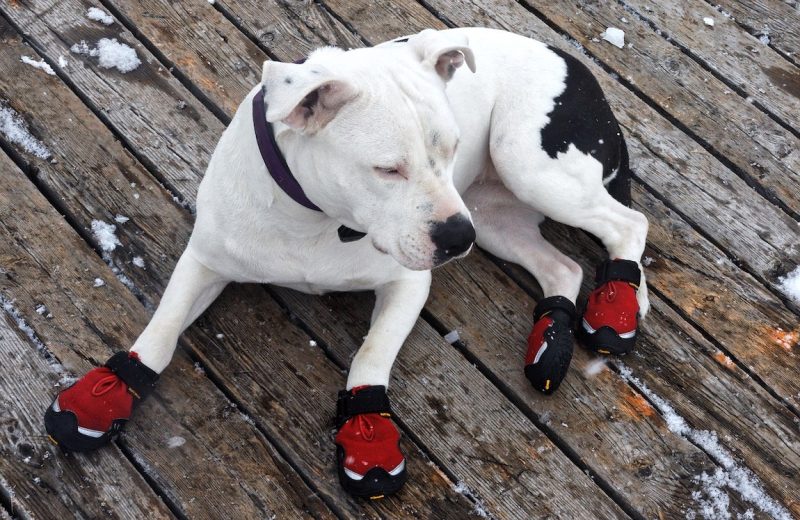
(98, 15)
(104, 234)
(111, 54)
(41, 65)
(138, 262)
(708, 21)
(62, 61)
(14, 128)
(451, 337)
(614, 36)
(594, 367)
(790, 285)
(121, 219)
(175, 442)
(480, 508)
(732, 475)
(98, 282)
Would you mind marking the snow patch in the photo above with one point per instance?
(594, 367)
(41, 64)
(104, 234)
(708, 21)
(22, 325)
(15, 130)
(479, 509)
(98, 15)
(451, 337)
(98, 282)
(110, 53)
(62, 61)
(175, 442)
(121, 219)
(712, 500)
(790, 284)
(138, 261)
(614, 36)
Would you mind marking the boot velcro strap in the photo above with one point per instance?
(618, 270)
(372, 399)
(554, 303)
(140, 379)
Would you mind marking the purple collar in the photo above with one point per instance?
(279, 170)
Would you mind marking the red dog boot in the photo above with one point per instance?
(369, 461)
(610, 320)
(89, 413)
(550, 343)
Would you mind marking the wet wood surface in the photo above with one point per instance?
(720, 345)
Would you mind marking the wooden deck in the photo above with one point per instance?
(704, 418)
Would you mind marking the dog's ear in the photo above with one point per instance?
(445, 51)
(304, 96)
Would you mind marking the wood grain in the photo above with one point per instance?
(740, 58)
(775, 18)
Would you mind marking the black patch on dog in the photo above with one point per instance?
(582, 117)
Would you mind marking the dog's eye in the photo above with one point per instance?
(387, 171)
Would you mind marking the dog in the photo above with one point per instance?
(365, 169)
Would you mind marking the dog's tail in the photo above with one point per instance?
(620, 185)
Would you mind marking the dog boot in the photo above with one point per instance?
(91, 412)
(369, 461)
(550, 343)
(610, 320)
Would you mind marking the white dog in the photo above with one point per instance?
(402, 145)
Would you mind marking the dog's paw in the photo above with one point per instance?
(88, 414)
(550, 343)
(369, 460)
(611, 320)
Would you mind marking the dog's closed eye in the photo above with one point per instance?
(390, 171)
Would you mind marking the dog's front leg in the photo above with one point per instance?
(369, 459)
(397, 307)
(89, 413)
(190, 290)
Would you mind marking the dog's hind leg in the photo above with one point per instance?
(89, 413)
(569, 189)
(509, 229)
(369, 459)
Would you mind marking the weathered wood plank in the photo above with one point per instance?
(690, 94)
(54, 26)
(40, 481)
(46, 263)
(761, 73)
(157, 231)
(711, 197)
(291, 29)
(775, 18)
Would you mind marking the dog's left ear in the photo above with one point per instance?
(304, 96)
(445, 51)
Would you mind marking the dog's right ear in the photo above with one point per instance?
(304, 96)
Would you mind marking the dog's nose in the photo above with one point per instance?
(452, 237)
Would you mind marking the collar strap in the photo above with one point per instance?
(279, 170)
(370, 399)
(618, 270)
(140, 379)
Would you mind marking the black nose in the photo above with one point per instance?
(452, 237)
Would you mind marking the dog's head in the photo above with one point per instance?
(372, 138)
